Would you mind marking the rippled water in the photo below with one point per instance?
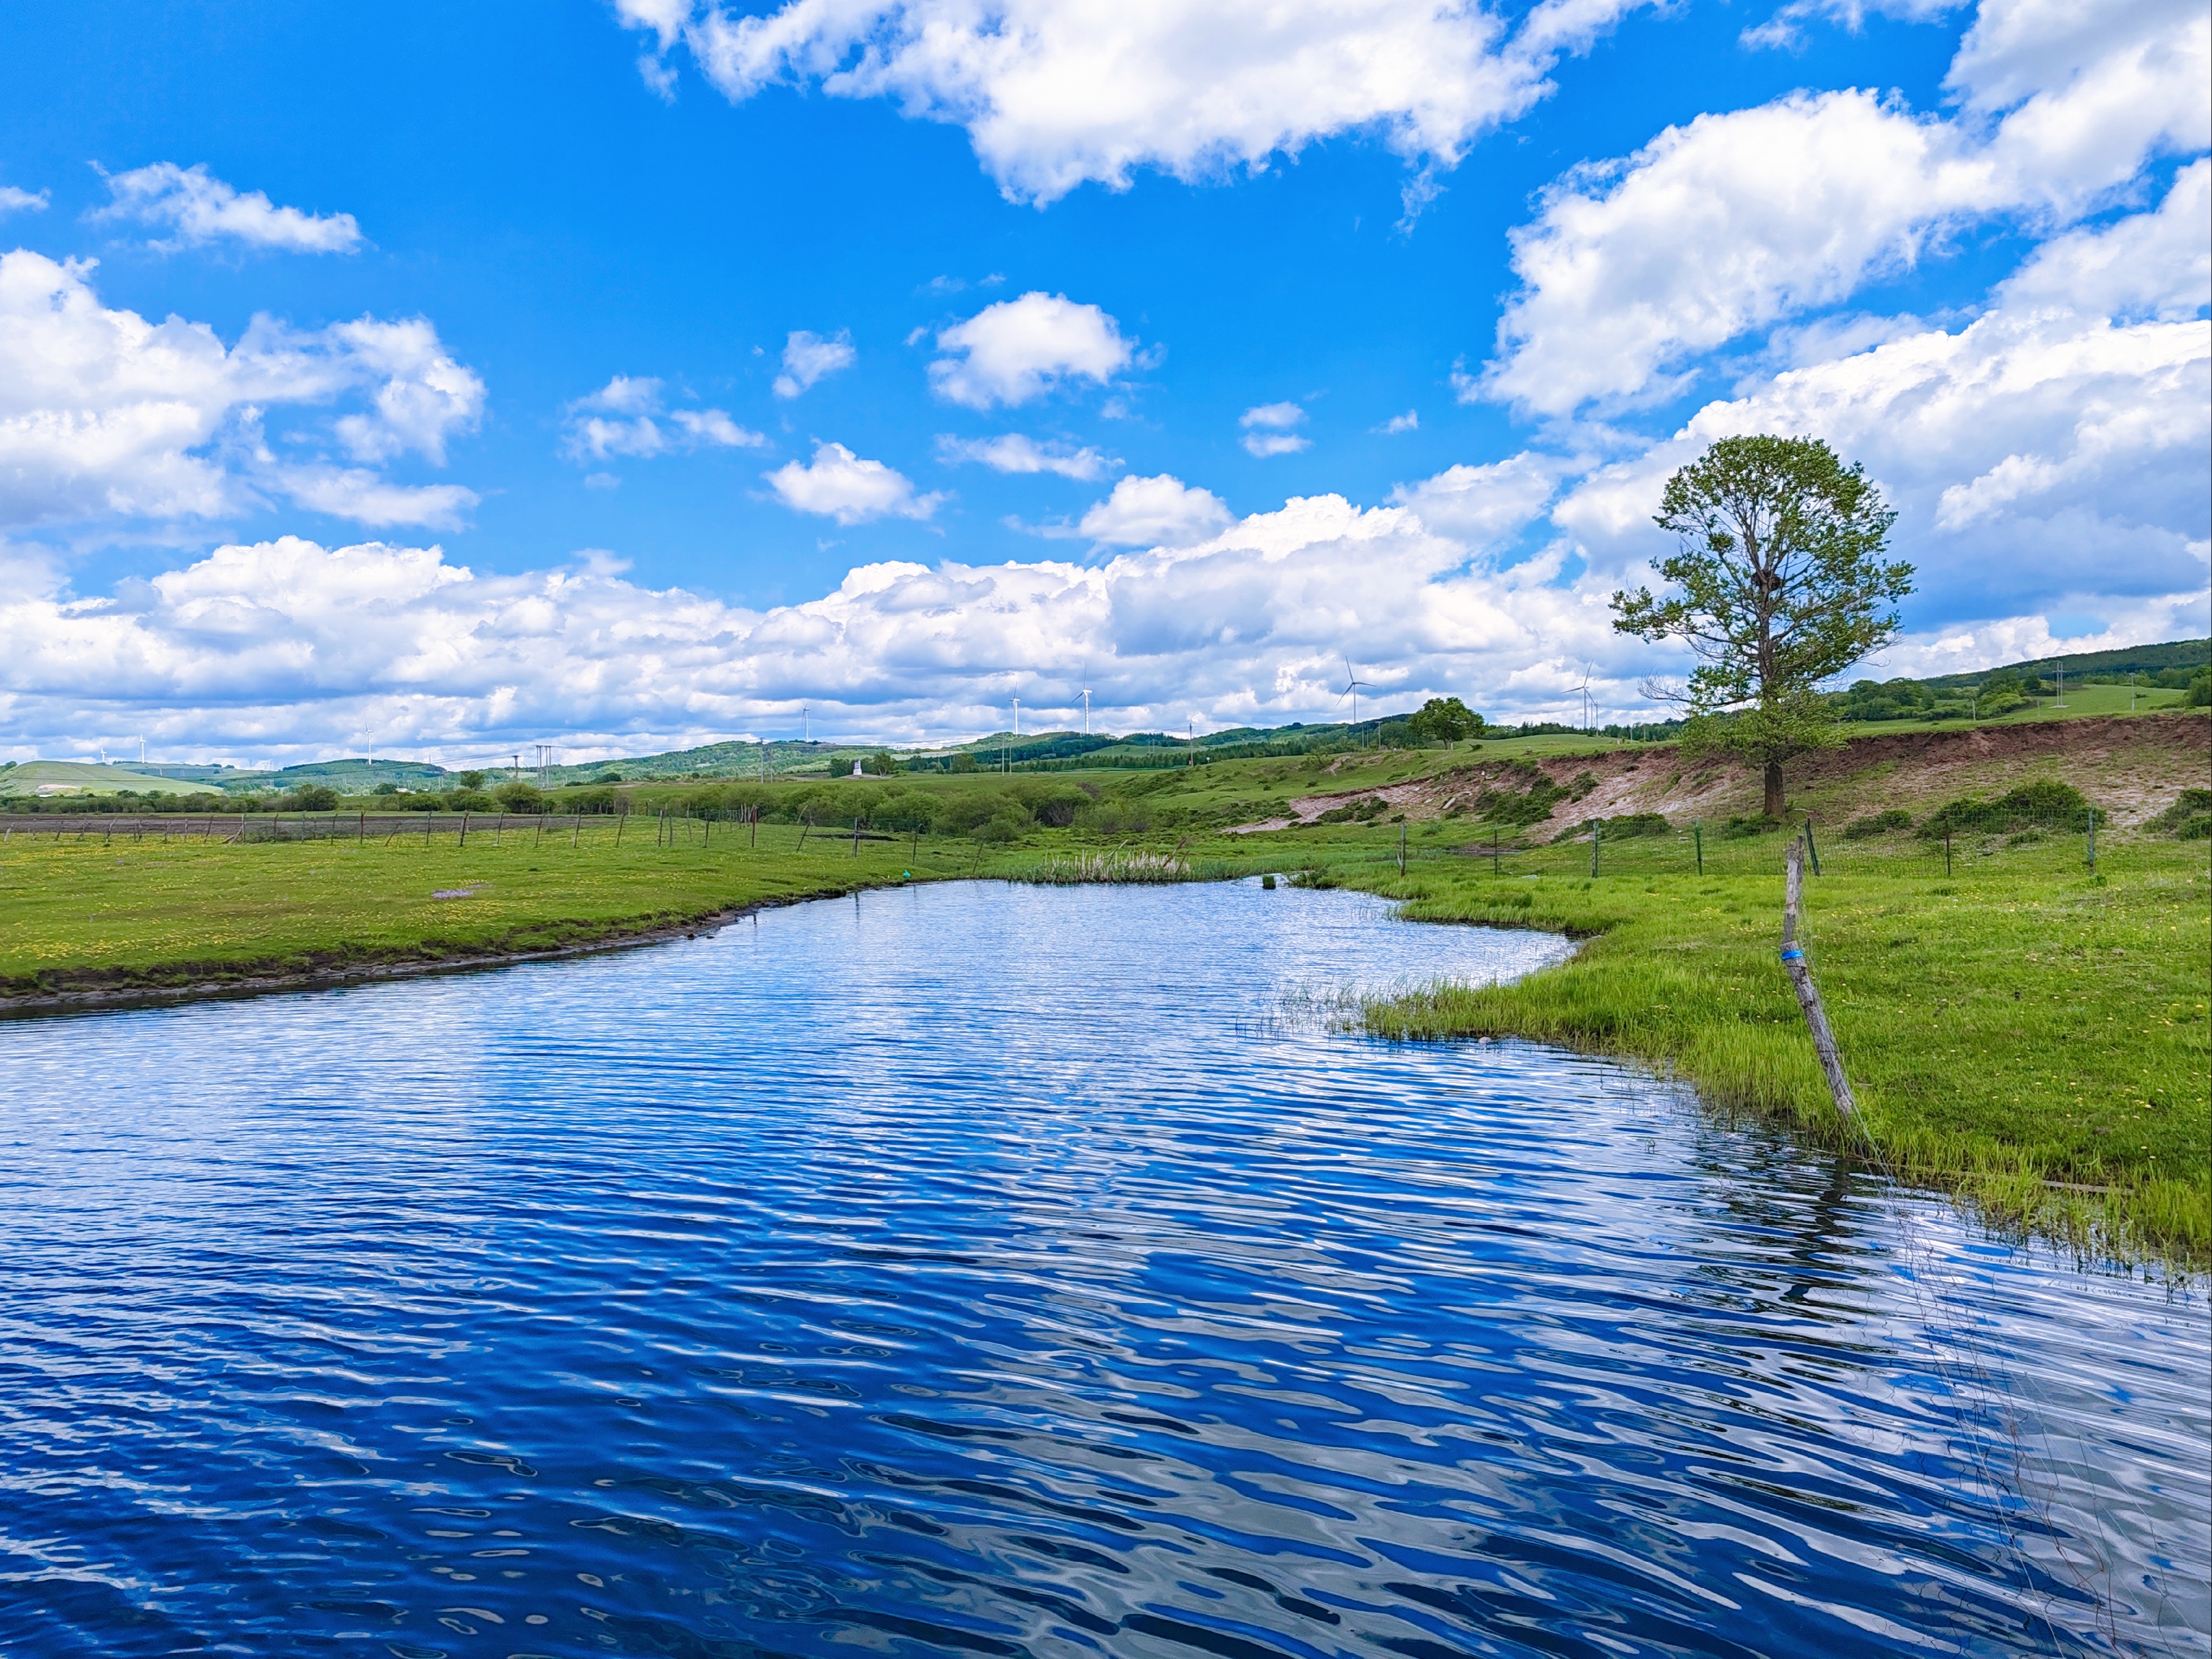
(976, 1270)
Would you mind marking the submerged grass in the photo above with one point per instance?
(2035, 1040)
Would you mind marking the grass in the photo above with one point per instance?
(153, 913)
(2021, 1032)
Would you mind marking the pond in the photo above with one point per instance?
(972, 1269)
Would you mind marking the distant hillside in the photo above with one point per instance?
(2084, 664)
(58, 777)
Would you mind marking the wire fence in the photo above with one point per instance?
(2054, 830)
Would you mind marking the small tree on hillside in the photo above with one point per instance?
(1444, 720)
(1782, 586)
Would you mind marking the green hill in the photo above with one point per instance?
(62, 777)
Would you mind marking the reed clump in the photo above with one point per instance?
(1117, 868)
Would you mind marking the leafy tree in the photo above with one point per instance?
(1444, 720)
(309, 797)
(473, 782)
(1781, 585)
(519, 796)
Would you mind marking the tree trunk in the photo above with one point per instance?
(1774, 803)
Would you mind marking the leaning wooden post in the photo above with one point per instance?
(1808, 995)
(464, 826)
(856, 842)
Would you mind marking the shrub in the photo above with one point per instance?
(309, 797)
(385, 789)
(1752, 826)
(2200, 692)
(519, 796)
(1878, 823)
(2189, 817)
(1357, 811)
(2044, 804)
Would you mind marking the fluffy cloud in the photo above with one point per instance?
(14, 200)
(286, 647)
(1018, 350)
(1161, 511)
(1737, 221)
(2044, 451)
(1055, 93)
(1267, 430)
(625, 417)
(1715, 228)
(1013, 452)
(2148, 264)
(200, 207)
(1409, 422)
(808, 357)
(840, 485)
(104, 414)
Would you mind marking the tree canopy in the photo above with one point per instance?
(1444, 720)
(1780, 583)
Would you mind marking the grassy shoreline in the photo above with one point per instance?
(2037, 1046)
(87, 924)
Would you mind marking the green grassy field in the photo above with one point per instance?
(2081, 701)
(85, 913)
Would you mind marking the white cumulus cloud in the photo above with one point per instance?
(198, 207)
(840, 485)
(808, 357)
(15, 199)
(1738, 221)
(1056, 93)
(104, 415)
(1020, 349)
(626, 416)
(1012, 452)
(286, 648)
(2039, 452)
(1267, 430)
(1156, 512)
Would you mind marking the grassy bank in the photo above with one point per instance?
(2018, 1031)
(84, 915)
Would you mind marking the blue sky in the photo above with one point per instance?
(527, 280)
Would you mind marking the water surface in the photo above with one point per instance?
(978, 1270)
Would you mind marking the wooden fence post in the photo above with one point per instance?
(1808, 995)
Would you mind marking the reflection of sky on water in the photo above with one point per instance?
(981, 1266)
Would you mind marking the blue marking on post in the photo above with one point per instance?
(1793, 954)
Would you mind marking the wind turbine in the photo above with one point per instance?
(1352, 684)
(1086, 711)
